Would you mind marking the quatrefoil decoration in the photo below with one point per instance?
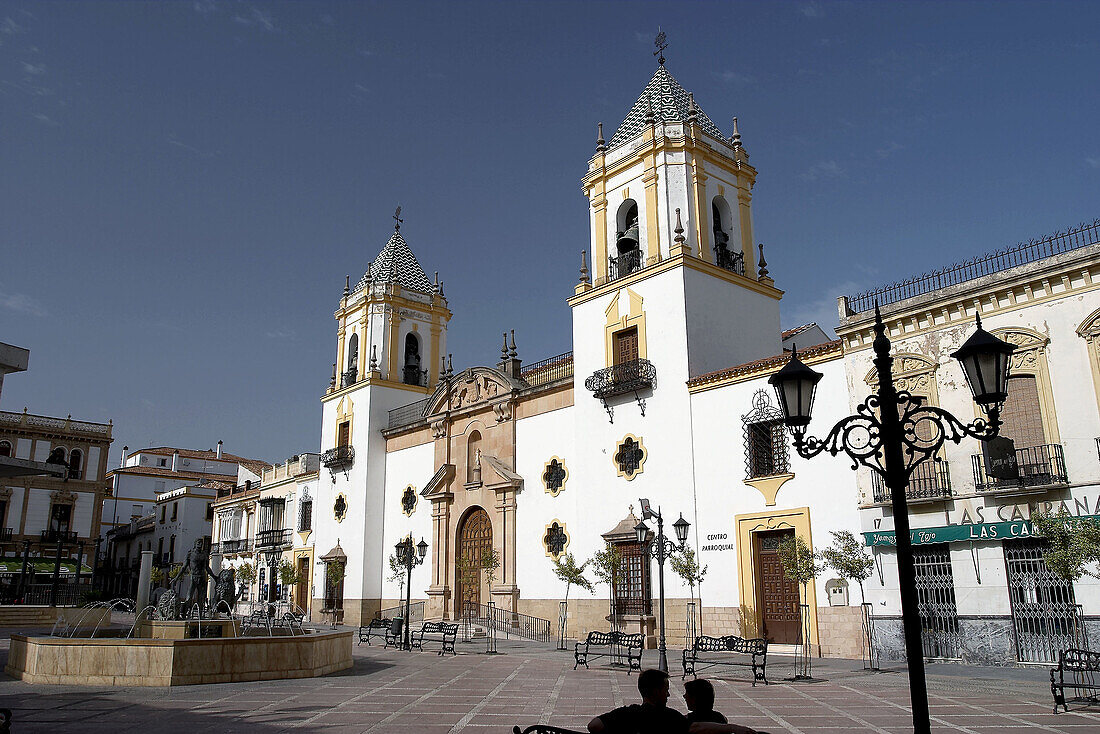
(553, 478)
(555, 540)
(630, 457)
(340, 508)
(408, 501)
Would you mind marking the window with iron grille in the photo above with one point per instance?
(553, 478)
(555, 540)
(631, 587)
(765, 439)
(305, 515)
(630, 456)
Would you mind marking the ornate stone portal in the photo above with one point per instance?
(472, 415)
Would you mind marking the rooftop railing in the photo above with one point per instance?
(1021, 254)
(55, 424)
(549, 370)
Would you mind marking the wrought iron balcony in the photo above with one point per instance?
(349, 378)
(273, 538)
(620, 379)
(1036, 466)
(240, 545)
(625, 264)
(54, 536)
(929, 481)
(731, 261)
(339, 457)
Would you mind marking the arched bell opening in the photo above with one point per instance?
(351, 372)
(628, 255)
(722, 220)
(412, 374)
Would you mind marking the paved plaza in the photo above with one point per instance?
(391, 691)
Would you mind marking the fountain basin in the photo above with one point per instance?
(187, 629)
(105, 661)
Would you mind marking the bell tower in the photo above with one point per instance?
(670, 201)
(391, 338)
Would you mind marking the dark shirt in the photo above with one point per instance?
(711, 716)
(644, 719)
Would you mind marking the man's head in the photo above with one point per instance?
(699, 695)
(653, 685)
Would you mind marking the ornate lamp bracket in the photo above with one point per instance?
(924, 430)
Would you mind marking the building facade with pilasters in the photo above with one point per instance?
(505, 467)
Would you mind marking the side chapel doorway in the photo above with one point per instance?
(777, 599)
(475, 540)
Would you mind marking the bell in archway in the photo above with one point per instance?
(628, 240)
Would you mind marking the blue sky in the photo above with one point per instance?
(184, 186)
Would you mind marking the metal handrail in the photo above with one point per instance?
(626, 263)
(416, 612)
(1021, 254)
(1038, 466)
(929, 480)
(549, 370)
(508, 622)
(266, 538)
(622, 378)
(338, 457)
(407, 414)
(349, 378)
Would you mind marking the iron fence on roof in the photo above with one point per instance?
(1021, 254)
(548, 370)
(407, 414)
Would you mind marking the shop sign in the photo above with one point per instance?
(951, 533)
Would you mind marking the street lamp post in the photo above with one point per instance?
(884, 436)
(660, 547)
(409, 556)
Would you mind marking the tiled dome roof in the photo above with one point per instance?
(671, 103)
(397, 263)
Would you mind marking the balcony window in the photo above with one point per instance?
(930, 480)
(305, 515)
(76, 464)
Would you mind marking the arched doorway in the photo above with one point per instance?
(475, 540)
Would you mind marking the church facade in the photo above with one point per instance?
(523, 463)
(504, 468)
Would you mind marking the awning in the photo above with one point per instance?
(336, 554)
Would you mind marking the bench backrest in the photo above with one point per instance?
(614, 638)
(731, 643)
(1074, 659)
(440, 627)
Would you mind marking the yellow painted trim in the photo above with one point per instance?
(635, 317)
(769, 486)
(698, 189)
(545, 547)
(599, 247)
(656, 269)
(1089, 330)
(1028, 341)
(798, 519)
(653, 228)
(641, 464)
(744, 211)
(392, 345)
(345, 411)
(546, 468)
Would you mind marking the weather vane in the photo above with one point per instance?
(661, 43)
(397, 220)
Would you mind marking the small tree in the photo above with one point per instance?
(567, 570)
(685, 565)
(607, 566)
(397, 574)
(490, 563)
(847, 557)
(1073, 547)
(288, 574)
(800, 564)
(246, 573)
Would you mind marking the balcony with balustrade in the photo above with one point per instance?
(273, 539)
(1037, 469)
(929, 482)
(338, 458)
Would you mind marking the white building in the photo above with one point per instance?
(987, 595)
(144, 474)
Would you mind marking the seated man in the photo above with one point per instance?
(699, 698)
(652, 716)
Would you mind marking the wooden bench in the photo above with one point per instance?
(377, 626)
(1082, 666)
(442, 632)
(610, 645)
(729, 650)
